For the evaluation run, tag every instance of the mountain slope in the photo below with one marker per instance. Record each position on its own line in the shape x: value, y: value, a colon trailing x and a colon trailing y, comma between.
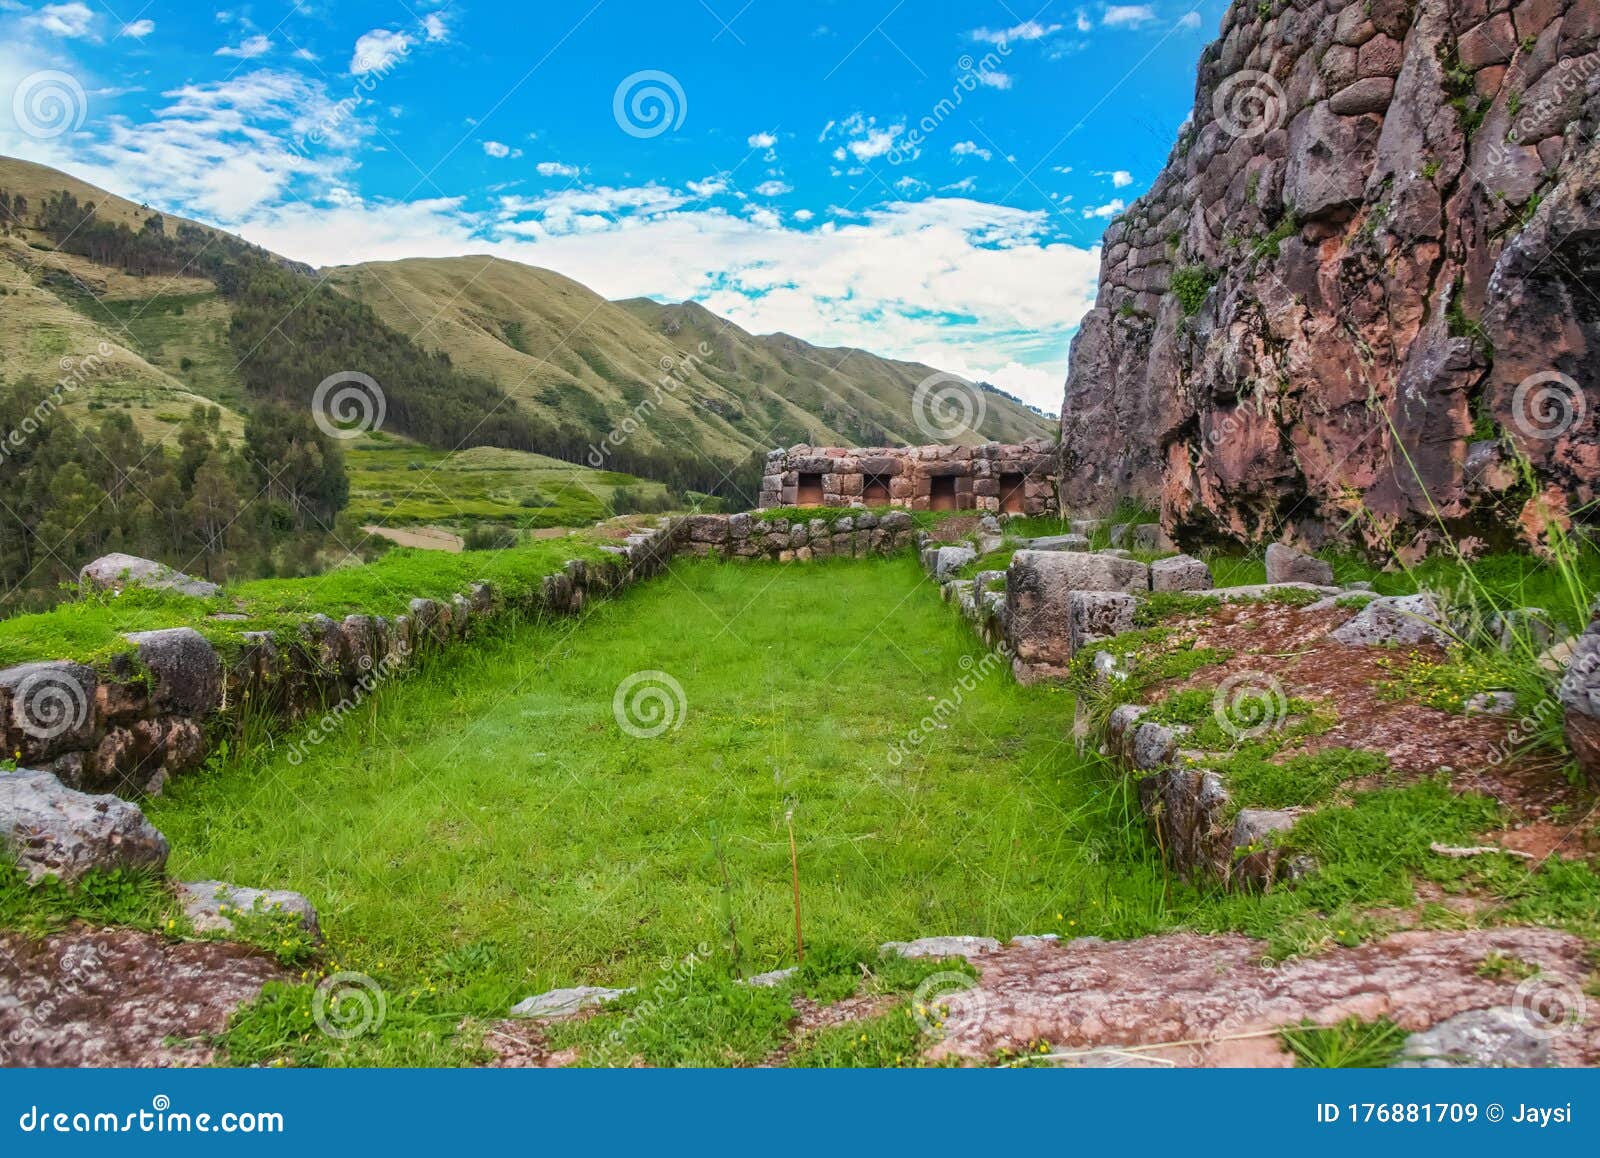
x: 469, y: 351
x: 559, y: 348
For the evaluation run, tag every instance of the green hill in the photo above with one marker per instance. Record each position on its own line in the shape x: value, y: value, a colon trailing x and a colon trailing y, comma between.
x: 470, y: 351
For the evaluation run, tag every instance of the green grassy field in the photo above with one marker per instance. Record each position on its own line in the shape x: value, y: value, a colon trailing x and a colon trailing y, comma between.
x: 399, y: 484
x: 487, y: 828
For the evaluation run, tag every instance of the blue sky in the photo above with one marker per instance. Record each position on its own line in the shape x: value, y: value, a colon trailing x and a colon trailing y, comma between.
x: 923, y: 179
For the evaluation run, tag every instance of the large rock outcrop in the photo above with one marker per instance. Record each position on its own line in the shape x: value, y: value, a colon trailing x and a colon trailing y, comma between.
x: 1366, y: 280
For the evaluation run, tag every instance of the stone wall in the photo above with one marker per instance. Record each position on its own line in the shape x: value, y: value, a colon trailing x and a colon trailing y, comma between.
x: 751, y: 536
x: 995, y: 477
x: 156, y: 710
x: 1364, y: 278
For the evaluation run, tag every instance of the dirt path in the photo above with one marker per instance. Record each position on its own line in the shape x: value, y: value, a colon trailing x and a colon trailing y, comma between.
x: 428, y: 538
x: 120, y: 997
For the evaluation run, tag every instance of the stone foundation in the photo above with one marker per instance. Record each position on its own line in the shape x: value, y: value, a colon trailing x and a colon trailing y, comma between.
x: 995, y: 477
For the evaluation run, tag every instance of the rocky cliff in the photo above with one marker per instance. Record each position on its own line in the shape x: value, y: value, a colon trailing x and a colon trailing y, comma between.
x: 1366, y: 286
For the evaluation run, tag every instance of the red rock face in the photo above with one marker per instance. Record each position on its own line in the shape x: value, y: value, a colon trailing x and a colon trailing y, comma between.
x: 1367, y: 281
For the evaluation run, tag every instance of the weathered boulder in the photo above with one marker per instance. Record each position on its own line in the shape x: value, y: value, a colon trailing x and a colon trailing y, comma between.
x: 1397, y: 217
x: 185, y: 671
x: 1395, y: 621
x: 1180, y: 573
x: 957, y: 946
x: 46, y: 708
x: 1039, y: 587
x: 1150, y: 537
x: 559, y: 1004
x: 212, y: 905
x: 1072, y: 542
x: 1479, y: 1038
x: 1286, y: 565
x: 52, y: 830
x: 116, y: 571
x: 944, y: 562
x: 1097, y: 615
x: 1580, y: 696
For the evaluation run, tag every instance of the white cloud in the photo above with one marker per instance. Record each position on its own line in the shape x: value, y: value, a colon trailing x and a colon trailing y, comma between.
x: 1082, y: 20
x: 556, y: 169
x: 965, y: 185
x: 710, y: 187
x: 994, y: 79
x: 762, y: 140
x: 435, y: 28
x: 1120, y: 178
x: 1008, y: 297
x: 1189, y: 20
x: 1061, y: 168
x: 72, y: 21
x: 500, y: 149
x: 866, y: 139
x: 377, y: 51
x: 138, y: 30
x: 1128, y: 15
x: 247, y: 49
x: 773, y: 189
x: 803, y: 215
x: 1027, y: 30
x: 1109, y: 209
x: 970, y: 149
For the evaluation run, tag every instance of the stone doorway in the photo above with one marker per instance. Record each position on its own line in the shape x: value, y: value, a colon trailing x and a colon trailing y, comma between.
x: 809, y: 491
x: 1013, y: 490
x: 875, y: 490
x: 942, y: 497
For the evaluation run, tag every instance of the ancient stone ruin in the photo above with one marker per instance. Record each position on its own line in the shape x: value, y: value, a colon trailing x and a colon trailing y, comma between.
x: 997, y: 477
x: 1363, y: 282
